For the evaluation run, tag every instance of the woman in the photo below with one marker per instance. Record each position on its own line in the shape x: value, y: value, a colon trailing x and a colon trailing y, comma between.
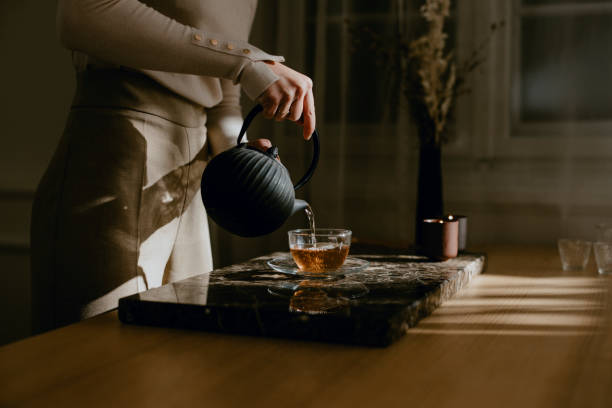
x: 158, y: 86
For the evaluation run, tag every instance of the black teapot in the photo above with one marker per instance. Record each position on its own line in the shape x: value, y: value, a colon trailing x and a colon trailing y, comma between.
x: 248, y: 192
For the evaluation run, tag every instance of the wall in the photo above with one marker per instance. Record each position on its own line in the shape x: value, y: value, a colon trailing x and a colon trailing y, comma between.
x: 523, y: 181
x: 514, y: 187
x: 37, y: 86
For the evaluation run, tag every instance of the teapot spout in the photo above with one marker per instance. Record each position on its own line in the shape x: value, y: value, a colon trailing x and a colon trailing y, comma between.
x: 299, y: 205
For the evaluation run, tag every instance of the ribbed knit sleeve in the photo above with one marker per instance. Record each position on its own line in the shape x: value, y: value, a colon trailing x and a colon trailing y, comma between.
x: 132, y: 34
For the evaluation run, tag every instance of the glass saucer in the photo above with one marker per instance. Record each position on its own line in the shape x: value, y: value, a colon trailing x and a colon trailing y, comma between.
x: 285, y: 264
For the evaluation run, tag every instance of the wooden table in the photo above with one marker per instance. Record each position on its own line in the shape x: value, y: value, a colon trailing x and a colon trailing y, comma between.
x: 524, y: 334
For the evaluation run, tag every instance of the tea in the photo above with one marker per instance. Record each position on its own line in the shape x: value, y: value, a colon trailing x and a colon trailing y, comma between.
x: 322, y: 257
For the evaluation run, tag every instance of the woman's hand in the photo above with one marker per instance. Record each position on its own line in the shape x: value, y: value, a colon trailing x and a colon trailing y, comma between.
x: 289, y: 98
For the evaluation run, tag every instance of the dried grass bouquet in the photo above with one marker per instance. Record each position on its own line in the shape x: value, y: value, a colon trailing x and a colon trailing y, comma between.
x: 428, y: 75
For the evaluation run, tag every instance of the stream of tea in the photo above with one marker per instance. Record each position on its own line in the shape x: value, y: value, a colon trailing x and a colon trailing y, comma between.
x: 311, y: 220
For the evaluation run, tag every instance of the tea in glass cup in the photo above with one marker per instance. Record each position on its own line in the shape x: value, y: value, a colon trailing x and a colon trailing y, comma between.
x: 321, y: 250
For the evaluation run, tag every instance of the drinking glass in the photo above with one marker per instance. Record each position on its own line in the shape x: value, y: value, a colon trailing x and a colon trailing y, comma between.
x: 574, y: 254
x: 321, y: 250
x: 603, y: 257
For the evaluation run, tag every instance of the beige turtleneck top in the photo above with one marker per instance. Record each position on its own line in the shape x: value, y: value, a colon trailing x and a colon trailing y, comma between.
x: 196, y: 48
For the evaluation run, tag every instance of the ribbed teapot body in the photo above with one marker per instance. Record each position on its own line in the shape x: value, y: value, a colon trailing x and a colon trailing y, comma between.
x: 247, y: 192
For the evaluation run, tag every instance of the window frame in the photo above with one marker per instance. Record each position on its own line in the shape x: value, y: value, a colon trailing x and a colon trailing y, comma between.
x: 489, y: 114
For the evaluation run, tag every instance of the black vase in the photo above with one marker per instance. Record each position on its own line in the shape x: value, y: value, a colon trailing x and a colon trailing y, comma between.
x: 429, y: 189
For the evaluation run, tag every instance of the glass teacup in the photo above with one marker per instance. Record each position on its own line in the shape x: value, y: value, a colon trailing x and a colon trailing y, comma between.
x: 319, y: 251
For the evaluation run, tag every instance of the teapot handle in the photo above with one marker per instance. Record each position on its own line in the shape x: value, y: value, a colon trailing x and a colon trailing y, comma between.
x: 315, y: 146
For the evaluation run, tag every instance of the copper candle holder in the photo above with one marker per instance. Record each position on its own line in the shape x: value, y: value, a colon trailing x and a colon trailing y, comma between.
x: 462, y: 229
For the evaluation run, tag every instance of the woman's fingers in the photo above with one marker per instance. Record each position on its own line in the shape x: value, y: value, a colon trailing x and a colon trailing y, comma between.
x: 290, y: 97
x: 283, y: 108
x: 297, y: 108
x: 310, y: 119
x: 269, y: 105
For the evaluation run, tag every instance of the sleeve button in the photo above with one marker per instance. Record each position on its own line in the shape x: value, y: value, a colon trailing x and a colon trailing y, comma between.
x: 230, y: 46
x: 246, y: 51
x: 213, y: 41
x: 197, y: 37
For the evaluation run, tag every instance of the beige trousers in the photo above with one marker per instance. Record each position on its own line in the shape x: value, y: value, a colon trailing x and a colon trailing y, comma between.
x: 119, y: 210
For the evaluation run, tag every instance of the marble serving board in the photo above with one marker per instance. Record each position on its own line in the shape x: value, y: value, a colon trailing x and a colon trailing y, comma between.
x: 373, y: 307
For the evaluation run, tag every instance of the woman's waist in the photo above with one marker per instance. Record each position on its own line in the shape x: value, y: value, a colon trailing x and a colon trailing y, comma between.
x: 126, y: 89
